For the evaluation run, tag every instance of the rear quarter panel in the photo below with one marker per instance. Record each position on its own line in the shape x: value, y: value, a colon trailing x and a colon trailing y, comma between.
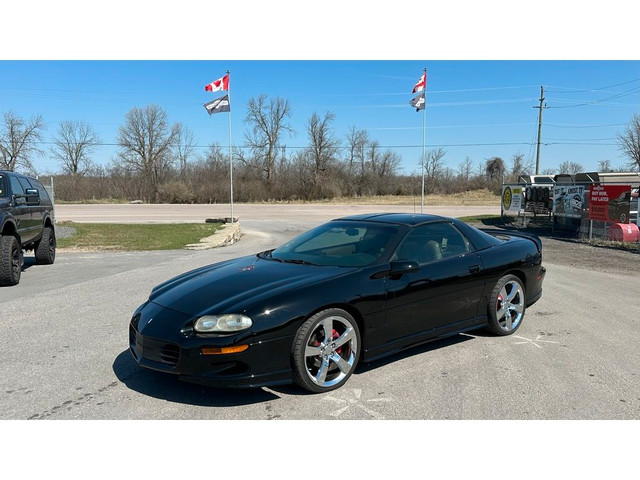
x: 517, y: 256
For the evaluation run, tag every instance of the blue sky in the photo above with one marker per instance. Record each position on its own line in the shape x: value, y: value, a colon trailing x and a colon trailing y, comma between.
x: 469, y: 103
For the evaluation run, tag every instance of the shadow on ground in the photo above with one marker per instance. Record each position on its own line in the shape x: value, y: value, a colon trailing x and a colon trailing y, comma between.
x: 28, y: 262
x: 418, y: 350
x: 167, y: 387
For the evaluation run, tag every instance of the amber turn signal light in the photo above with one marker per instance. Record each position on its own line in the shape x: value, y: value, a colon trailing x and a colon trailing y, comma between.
x: 223, y: 350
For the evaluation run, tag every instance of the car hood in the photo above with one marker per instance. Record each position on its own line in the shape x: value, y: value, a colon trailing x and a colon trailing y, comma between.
x: 222, y: 287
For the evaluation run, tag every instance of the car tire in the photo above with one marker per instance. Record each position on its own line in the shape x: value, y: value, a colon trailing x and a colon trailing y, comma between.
x: 10, y: 260
x: 45, y: 248
x: 507, y: 305
x: 321, y: 360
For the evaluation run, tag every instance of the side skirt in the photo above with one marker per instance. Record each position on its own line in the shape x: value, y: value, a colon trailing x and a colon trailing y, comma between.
x: 423, y: 337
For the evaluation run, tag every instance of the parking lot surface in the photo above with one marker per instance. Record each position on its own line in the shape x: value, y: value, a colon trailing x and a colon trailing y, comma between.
x: 65, y: 351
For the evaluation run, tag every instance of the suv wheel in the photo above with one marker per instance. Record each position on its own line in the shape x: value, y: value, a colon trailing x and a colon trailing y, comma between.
x: 46, y: 247
x: 10, y: 260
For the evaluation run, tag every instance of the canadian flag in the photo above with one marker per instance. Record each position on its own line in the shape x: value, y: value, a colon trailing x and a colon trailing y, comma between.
x: 418, y: 87
x: 220, y: 84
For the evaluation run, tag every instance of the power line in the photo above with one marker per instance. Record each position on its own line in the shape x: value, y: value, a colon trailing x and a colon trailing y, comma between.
x: 569, y: 125
x: 344, y: 147
x: 594, y: 102
x: 452, y: 126
x: 593, y: 89
x: 582, y: 139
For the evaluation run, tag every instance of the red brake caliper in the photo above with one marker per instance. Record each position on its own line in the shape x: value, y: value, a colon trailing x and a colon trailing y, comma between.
x: 334, y: 336
x: 499, y: 300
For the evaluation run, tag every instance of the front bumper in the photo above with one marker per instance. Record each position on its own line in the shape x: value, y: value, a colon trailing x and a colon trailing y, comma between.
x: 155, y: 342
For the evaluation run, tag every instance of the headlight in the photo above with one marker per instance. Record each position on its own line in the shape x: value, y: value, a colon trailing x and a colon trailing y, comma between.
x: 231, y: 322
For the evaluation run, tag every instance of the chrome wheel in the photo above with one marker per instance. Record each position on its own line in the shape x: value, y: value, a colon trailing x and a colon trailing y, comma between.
x: 331, y: 351
x: 510, y: 306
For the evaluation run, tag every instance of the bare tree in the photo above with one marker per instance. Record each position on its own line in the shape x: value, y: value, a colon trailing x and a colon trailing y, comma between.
x: 604, y: 166
x: 146, y: 142
x: 185, y: 144
x: 465, y: 168
x: 18, y: 141
x: 323, y: 146
x: 356, y: 143
x: 433, y: 166
x: 548, y: 171
x: 373, y: 155
x: 570, y: 167
x: 629, y: 141
x: 268, y: 122
x: 494, y: 168
x: 73, y: 146
x: 388, y: 164
x: 519, y: 167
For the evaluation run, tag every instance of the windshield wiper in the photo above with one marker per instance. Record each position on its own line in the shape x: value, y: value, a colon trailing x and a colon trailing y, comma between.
x: 298, y: 261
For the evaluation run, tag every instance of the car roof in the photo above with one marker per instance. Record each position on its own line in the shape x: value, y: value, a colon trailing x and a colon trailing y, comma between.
x: 409, y: 219
x: 7, y: 172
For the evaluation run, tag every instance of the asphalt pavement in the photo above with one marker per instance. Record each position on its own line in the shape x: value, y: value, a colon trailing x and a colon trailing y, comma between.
x: 65, y: 355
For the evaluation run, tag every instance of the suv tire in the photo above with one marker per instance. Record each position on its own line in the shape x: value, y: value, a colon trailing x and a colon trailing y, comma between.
x: 45, y: 248
x: 10, y: 260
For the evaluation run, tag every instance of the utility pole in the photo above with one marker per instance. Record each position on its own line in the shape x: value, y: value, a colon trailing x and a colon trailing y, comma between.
x: 541, y: 107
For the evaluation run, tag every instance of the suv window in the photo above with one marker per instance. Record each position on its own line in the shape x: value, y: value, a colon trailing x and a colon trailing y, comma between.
x: 3, y: 187
x: 16, y: 186
x: 41, y: 190
x: 432, y: 242
x: 25, y: 183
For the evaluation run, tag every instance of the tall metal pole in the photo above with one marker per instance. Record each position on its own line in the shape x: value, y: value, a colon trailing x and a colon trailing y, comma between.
x: 230, y: 149
x: 424, y: 138
x: 539, y: 128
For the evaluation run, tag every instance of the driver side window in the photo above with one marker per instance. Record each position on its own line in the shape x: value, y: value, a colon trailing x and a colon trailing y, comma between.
x: 432, y: 242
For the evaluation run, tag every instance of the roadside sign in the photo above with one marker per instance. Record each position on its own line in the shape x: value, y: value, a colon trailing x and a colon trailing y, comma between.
x: 610, y: 203
x: 511, y: 198
x: 568, y: 200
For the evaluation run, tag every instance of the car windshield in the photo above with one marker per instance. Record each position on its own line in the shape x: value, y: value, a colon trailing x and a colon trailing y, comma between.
x: 337, y: 244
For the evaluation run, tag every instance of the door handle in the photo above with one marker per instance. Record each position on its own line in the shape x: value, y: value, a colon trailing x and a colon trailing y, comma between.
x: 474, y: 268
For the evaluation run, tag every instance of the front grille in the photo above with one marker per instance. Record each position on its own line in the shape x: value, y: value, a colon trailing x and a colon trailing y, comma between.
x: 169, y: 354
x: 152, y: 349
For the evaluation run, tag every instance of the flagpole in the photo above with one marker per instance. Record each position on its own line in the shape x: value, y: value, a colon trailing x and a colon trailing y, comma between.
x: 424, y: 137
x: 230, y: 148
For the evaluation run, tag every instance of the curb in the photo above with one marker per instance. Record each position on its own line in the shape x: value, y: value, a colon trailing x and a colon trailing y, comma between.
x: 229, y: 234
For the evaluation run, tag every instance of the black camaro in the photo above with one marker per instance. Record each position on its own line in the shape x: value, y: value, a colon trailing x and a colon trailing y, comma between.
x: 359, y: 287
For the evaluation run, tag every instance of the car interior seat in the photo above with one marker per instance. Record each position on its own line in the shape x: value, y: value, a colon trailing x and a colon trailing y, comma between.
x: 431, y: 252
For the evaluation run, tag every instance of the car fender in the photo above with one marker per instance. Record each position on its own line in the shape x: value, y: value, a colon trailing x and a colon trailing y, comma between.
x: 7, y: 222
x: 285, y: 312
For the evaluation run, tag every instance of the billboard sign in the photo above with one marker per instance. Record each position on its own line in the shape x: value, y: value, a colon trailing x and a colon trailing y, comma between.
x: 568, y: 200
x: 610, y: 203
x: 511, y: 198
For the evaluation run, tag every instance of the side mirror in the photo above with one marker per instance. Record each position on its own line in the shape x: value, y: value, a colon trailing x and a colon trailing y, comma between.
x: 33, y: 196
x: 400, y: 267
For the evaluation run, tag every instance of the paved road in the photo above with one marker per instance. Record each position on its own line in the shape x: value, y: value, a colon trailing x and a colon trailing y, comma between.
x: 64, y: 352
x: 315, y: 213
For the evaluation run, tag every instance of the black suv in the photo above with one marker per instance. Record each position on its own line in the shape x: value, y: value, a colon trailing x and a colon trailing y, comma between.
x: 26, y: 222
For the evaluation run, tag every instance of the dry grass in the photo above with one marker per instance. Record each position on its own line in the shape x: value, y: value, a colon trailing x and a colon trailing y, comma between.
x: 474, y: 197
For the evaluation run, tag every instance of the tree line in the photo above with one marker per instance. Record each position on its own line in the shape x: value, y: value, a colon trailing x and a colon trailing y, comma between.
x: 157, y: 161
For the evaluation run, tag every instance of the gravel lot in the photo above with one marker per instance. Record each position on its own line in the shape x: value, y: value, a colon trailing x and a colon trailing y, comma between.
x: 65, y: 348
